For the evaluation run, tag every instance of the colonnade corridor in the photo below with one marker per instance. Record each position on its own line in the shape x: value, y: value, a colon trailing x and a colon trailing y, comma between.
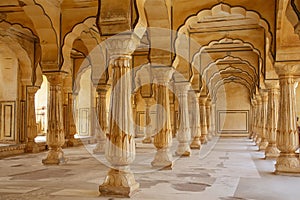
x: 226, y: 168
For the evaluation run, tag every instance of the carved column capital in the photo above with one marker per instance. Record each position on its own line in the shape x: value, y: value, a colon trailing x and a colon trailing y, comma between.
x: 182, y: 87
x: 272, y: 84
x: 56, y: 78
x: 122, y: 44
x: 287, y: 68
x: 162, y: 74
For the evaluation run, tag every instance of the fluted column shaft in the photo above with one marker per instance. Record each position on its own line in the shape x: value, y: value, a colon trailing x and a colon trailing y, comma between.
x: 183, y: 135
x: 31, y: 146
x: 55, y: 132
x: 287, y: 135
x: 195, y: 122
x: 203, y: 118
x: 264, y: 142
x: 273, y: 100
x: 102, y: 119
x: 163, y: 138
x: 148, y: 129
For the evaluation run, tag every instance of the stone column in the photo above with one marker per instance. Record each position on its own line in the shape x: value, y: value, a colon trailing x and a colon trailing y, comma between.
x: 31, y: 146
x: 253, y: 118
x: 213, y: 119
x: 258, y: 120
x: 208, y: 118
x: 203, y: 118
x: 163, y: 137
x: 71, y: 141
x: 120, y: 146
x: 183, y: 135
x: 264, y: 112
x: 148, y: 128
x: 287, y: 135
x: 55, y: 132
x: 273, y: 100
x: 195, y: 122
x: 101, y: 119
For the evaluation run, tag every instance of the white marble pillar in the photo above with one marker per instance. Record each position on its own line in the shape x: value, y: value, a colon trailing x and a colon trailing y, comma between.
x: 183, y: 134
x: 101, y: 119
x: 273, y: 101
x: 55, y: 132
x: 148, y: 129
x: 31, y: 146
x: 203, y: 118
x: 120, y: 146
x: 264, y: 112
x: 163, y: 137
x: 208, y: 118
x: 287, y: 135
x: 195, y: 121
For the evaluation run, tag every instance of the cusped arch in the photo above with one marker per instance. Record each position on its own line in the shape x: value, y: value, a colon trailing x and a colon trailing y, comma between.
x: 217, y: 10
x: 69, y: 39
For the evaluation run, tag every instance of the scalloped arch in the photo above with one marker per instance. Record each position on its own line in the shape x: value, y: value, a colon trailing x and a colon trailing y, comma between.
x: 71, y: 37
x: 224, y: 8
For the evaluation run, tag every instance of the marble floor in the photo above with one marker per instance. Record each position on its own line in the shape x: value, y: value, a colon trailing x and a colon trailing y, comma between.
x: 225, y: 169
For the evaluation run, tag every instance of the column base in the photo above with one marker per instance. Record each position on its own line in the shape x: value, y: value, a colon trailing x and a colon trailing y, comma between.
x: 32, y: 147
x: 55, y: 157
x: 100, y: 147
x: 183, y: 149
x: 203, y: 139
x: 263, y: 145
x: 119, y: 183
x: 258, y: 141
x: 287, y: 164
x: 72, y: 142
x: 147, y: 140
x: 195, y: 144
x: 209, y: 137
x: 272, y: 152
x: 162, y: 160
